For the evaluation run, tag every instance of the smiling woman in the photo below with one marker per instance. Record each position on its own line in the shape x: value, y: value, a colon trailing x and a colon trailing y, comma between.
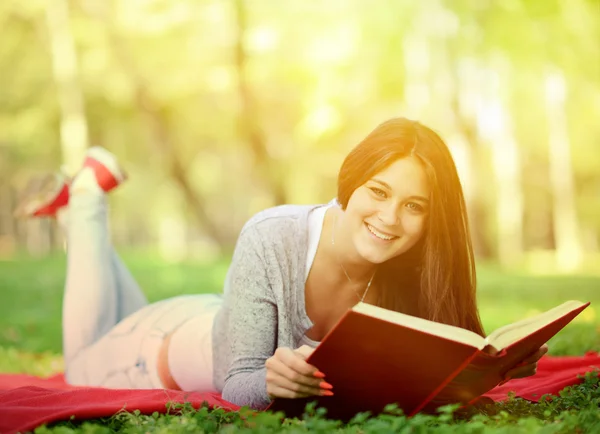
x: 416, y: 195
x: 396, y: 236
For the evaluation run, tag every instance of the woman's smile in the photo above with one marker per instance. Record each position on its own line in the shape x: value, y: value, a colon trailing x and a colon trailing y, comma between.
x: 379, y: 235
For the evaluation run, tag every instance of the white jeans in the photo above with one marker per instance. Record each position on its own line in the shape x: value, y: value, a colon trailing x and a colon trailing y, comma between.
x: 111, y: 335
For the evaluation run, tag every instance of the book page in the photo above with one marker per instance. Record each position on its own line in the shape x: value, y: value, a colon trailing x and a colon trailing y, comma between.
x: 509, y: 334
x: 449, y: 332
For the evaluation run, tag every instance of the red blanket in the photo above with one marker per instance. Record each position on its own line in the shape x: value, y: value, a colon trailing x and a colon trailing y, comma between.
x: 27, y: 402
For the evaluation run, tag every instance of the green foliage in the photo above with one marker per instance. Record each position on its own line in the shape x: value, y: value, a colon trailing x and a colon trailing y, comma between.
x: 14, y: 360
x: 574, y: 411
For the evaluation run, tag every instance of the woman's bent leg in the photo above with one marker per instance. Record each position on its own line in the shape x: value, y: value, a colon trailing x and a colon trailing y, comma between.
x: 100, y: 347
x: 130, y: 297
x: 90, y: 306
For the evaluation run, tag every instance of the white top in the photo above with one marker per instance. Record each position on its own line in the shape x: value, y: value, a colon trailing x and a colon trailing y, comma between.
x: 316, y: 218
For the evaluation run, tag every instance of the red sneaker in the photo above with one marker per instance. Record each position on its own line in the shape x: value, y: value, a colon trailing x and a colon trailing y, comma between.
x: 106, y: 168
x: 44, y: 196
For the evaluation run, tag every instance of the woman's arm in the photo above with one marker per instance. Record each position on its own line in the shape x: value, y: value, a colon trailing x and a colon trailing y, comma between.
x: 248, y: 327
x: 245, y: 334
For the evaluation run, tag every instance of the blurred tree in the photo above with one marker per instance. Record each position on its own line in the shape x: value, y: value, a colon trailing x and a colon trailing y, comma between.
x: 73, y: 122
x: 219, y: 109
x: 249, y: 121
x: 496, y: 129
x: 566, y: 225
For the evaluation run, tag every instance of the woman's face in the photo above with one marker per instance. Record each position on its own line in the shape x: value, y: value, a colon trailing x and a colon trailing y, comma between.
x: 386, y: 216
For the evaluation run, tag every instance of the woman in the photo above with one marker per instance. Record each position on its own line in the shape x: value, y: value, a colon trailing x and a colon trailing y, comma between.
x: 397, y: 236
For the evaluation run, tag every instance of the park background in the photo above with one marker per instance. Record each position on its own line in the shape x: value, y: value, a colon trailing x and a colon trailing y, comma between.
x: 218, y: 109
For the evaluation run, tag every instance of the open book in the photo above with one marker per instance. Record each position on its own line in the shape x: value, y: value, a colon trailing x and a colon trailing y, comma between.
x: 374, y: 357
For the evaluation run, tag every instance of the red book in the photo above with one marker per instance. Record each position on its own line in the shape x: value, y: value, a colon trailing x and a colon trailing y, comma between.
x: 374, y: 357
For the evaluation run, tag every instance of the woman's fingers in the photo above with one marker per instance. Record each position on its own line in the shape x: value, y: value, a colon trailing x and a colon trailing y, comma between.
x: 304, y: 351
x: 289, y: 376
x: 294, y: 389
x: 294, y: 361
x: 521, y: 371
x: 533, y: 358
x: 293, y: 371
x: 275, y: 391
x: 528, y: 366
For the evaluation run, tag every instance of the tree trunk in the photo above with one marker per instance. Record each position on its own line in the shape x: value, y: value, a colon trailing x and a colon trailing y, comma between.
x: 497, y: 129
x: 509, y: 198
x: 566, y: 226
x: 73, y: 124
x: 477, y: 211
x: 8, y: 235
x: 249, y: 124
x: 466, y: 126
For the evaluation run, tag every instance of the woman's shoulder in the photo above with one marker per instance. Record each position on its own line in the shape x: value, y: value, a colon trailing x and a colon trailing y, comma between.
x: 281, y: 218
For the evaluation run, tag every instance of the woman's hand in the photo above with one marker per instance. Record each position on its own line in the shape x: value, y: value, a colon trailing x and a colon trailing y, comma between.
x: 528, y: 366
x: 289, y: 376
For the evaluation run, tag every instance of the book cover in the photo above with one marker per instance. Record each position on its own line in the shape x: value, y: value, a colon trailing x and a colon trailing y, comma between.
x: 372, y: 362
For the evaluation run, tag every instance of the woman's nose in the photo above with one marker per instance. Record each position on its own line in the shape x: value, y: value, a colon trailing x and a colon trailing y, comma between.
x: 388, y: 215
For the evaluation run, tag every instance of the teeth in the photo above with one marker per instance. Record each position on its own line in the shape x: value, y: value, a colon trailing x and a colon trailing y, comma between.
x: 379, y: 234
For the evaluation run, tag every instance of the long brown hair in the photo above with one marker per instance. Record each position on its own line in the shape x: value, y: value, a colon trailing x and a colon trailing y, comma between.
x: 435, y: 279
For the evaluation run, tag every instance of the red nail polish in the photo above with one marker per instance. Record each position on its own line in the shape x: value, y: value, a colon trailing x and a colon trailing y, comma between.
x: 326, y: 393
x: 325, y: 385
x: 319, y: 374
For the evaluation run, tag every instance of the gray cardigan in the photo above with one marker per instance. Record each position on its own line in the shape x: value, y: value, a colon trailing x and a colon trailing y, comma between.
x: 263, y: 306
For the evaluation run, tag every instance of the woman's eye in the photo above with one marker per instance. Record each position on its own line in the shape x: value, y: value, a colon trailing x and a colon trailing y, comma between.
x: 414, y: 206
x: 379, y: 192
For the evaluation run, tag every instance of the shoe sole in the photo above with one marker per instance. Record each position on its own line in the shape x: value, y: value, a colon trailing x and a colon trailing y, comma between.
x: 109, y: 173
x: 45, y: 198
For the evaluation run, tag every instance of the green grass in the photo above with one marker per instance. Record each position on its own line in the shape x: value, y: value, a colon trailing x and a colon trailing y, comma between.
x: 31, y: 294
x: 30, y: 342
